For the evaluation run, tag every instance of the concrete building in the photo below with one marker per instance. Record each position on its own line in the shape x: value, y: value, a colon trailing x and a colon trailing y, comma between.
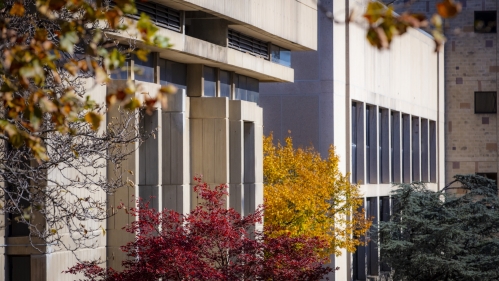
x: 471, y: 68
x: 212, y: 126
x: 382, y: 110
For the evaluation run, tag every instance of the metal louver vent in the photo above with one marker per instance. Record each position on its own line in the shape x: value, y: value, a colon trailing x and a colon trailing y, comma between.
x: 160, y: 15
x: 248, y: 44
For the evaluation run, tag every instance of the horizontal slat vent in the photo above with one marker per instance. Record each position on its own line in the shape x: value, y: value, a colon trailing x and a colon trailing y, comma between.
x: 160, y: 15
x: 248, y: 44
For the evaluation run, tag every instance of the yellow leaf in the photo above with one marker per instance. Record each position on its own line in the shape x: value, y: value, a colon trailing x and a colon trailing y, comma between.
x: 17, y: 9
x: 93, y: 119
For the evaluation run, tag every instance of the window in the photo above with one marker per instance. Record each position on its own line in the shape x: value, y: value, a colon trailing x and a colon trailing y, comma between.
x: 247, y: 88
x: 160, y: 15
x: 121, y: 74
x: 384, y: 215
x: 359, y: 259
x: 380, y: 142
x: 354, y: 142
x: 485, y: 22
x: 248, y: 44
x: 368, y: 144
x: 372, y: 247
x: 210, y: 81
x: 485, y: 102
x: 171, y: 72
x: 416, y: 151
x: 144, y: 70
x: 392, y: 138
x: 433, y: 151
x: 280, y: 55
x: 19, y: 268
x: 406, y: 148
x: 425, y: 176
x: 224, y: 84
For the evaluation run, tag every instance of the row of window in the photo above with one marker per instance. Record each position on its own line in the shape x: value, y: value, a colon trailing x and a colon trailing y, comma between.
x: 171, y: 19
x: 170, y: 72
x: 389, y: 146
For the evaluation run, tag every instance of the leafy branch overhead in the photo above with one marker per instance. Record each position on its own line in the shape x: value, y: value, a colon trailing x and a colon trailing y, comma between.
x: 383, y: 24
x: 52, y: 52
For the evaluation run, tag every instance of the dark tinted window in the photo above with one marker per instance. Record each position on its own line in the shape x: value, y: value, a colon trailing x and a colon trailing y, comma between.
x: 247, y: 88
x: 210, y: 81
x: 485, y: 102
x: 172, y: 73
x: 354, y: 142
x: 144, y: 70
x: 19, y: 268
x: 485, y: 22
x: 224, y: 84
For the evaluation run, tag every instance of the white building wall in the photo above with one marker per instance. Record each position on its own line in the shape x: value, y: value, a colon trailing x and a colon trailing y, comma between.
x: 316, y: 108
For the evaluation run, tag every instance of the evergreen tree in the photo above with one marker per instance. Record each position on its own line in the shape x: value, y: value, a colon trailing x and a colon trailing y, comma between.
x: 452, y: 234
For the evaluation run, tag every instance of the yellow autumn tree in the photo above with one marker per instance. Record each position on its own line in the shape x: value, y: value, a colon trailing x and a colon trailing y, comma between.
x: 307, y: 195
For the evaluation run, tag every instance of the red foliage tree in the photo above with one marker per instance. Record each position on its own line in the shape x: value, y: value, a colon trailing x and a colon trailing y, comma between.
x: 209, y: 243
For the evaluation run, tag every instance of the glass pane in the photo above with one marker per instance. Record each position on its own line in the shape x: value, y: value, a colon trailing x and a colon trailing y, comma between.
x: 274, y: 53
x: 253, y: 89
x: 210, y: 85
x: 285, y: 57
x: 280, y: 55
x: 224, y: 84
x: 19, y: 268
x: 121, y: 74
x: 171, y: 72
x: 241, y: 88
x: 144, y: 70
x: 178, y: 74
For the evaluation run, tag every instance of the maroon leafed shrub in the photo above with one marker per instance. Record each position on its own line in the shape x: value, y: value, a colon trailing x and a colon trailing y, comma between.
x: 209, y: 243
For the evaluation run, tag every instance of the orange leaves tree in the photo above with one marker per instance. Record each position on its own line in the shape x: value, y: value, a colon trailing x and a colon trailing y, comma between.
x: 54, y: 153
x: 307, y: 195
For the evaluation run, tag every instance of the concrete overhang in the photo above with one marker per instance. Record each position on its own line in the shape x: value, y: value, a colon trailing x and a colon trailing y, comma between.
x: 190, y: 50
x: 291, y: 24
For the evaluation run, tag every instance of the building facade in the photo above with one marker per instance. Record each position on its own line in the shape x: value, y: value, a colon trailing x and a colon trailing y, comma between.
x: 382, y: 110
x: 471, y: 69
x: 222, y: 51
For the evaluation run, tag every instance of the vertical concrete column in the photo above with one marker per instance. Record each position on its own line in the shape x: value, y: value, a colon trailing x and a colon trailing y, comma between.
x: 397, y: 147
x: 150, y: 153
x: 416, y: 149
x: 236, y: 180
x: 176, y: 176
x: 129, y: 171
x: 246, y: 156
x: 209, y: 141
